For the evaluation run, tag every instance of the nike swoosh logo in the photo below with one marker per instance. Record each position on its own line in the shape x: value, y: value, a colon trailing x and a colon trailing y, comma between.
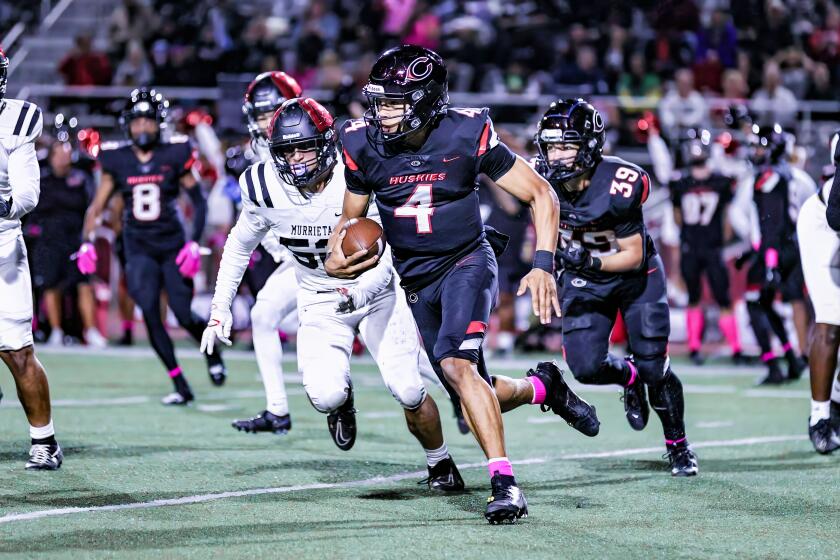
x: 447, y: 160
x: 339, y: 435
x: 337, y: 214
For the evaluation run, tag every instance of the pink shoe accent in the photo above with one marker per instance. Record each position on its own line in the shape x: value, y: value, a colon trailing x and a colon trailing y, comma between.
x: 634, y: 373
x: 729, y: 328
x: 771, y: 258
x: 674, y: 441
x: 175, y: 372
x: 539, y: 389
x: 767, y: 356
x: 500, y: 466
x: 787, y: 347
x: 694, y: 325
x: 127, y: 325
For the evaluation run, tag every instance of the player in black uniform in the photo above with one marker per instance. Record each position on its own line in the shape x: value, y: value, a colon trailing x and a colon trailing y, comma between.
x: 149, y: 174
x: 610, y: 265
x: 421, y: 158
x: 701, y: 198
x: 775, y: 266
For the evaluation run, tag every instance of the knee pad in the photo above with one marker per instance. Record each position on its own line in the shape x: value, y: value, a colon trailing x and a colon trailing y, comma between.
x: 410, y: 396
x: 653, y: 369
x: 585, y: 366
x: 263, y: 317
x: 326, y: 400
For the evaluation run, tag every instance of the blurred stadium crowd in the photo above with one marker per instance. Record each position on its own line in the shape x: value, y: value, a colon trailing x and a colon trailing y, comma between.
x: 673, y: 66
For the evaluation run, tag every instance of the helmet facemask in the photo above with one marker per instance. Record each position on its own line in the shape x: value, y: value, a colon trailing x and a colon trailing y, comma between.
x: 307, y: 172
x: 420, y: 109
x: 562, y: 171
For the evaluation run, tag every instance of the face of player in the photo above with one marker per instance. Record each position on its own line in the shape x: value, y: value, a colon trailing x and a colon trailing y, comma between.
x: 264, y: 121
x: 391, y: 113
x: 562, y: 154
x: 142, y: 129
x: 61, y: 158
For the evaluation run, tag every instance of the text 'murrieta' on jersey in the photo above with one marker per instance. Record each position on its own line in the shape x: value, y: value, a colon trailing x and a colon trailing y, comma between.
x: 151, y: 191
x: 702, y: 204
x: 608, y: 210
x: 21, y: 123
x: 427, y: 199
x: 301, y: 223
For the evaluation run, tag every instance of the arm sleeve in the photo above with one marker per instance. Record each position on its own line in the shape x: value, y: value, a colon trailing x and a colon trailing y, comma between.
x: 832, y: 210
x: 24, y: 173
x: 277, y: 251
x: 246, y: 234
x: 199, y: 203
x: 663, y: 165
x: 375, y: 280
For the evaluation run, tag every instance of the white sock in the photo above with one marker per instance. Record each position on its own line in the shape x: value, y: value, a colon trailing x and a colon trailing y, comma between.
x: 41, y: 432
x: 820, y: 410
x: 835, y: 390
x: 505, y: 340
x: 269, y: 353
x: 435, y: 456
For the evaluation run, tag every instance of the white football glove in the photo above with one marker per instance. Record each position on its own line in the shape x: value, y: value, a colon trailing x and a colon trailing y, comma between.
x: 351, y: 299
x: 218, y: 327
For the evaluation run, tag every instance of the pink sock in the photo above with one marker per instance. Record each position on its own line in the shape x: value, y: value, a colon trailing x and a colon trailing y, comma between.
x: 633, y: 374
x: 787, y: 347
x: 175, y: 372
x: 674, y: 441
x: 767, y: 356
x: 729, y: 328
x: 127, y: 325
x: 539, y: 389
x: 499, y: 465
x: 694, y: 326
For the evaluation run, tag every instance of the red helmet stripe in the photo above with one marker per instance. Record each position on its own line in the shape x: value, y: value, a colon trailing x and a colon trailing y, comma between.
x: 321, y: 118
x: 287, y: 85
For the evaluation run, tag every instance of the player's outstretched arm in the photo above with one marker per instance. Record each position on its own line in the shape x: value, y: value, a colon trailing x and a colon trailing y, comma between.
x: 97, y: 206
x: 338, y: 264
x: 528, y: 186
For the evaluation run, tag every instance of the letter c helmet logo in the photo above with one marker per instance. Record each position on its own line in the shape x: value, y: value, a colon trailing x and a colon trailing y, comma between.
x: 416, y: 71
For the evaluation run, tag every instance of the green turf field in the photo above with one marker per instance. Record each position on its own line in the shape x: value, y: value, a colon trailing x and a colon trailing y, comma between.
x: 141, y: 480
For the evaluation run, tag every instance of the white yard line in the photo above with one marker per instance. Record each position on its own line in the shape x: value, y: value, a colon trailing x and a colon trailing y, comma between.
x: 201, y: 498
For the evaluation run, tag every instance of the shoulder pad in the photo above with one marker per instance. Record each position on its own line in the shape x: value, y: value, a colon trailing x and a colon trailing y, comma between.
x: 21, y: 120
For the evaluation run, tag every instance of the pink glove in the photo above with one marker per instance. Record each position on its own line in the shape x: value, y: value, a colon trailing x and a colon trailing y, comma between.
x: 771, y: 258
x: 86, y: 258
x: 189, y: 259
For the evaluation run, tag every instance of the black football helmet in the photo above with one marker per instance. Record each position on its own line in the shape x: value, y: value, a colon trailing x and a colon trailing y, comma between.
x: 148, y: 103
x: 570, y: 121
x: 696, y: 146
x: 303, y: 124
x: 265, y: 94
x: 768, y: 144
x: 4, y: 73
x: 738, y: 115
x: 415, y: 76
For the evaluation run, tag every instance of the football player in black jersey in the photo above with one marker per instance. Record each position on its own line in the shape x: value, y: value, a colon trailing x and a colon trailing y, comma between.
x: 701, y: 198
x: 421, y: 159
x: 149, y: 174
x: 609, y: 265
x: 777, y: 194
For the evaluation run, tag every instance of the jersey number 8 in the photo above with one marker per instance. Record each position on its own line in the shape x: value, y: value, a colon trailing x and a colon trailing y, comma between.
x: 145, y: 202
x: 623, y: 182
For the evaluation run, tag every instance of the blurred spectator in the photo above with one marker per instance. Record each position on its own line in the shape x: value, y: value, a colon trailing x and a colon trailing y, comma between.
x: 638, y: 82
x: 733, y: 85
x: 584, y: 74
x: 720, y: 38
x: 135, y: 69
x: 796, y: 70
x: 131, y: 21
x: 821, y: 87
x: 774, y: 102
x: 83, y: 66
x: 423, y: 27
x: 683, y: 107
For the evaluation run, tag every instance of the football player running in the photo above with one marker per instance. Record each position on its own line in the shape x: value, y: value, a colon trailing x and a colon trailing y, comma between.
x: 421, y: 160
x: 819, y: 244
x: 149, y: 174
x: 21, y: 123
x: 296, y: 200
x: 610, y: 264
x: 277, y: 299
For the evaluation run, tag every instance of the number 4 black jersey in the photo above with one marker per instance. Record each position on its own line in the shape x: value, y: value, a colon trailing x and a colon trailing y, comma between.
x: 609, y: 209
x: 150, y: 191
x: 702, y: 205
x: 427, y: 199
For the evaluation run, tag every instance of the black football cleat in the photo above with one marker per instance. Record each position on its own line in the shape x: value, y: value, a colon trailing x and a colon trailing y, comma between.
x: 696, y: 358
x: 774, y: 375
x: 444, y: 477
x: 127, y: 338
x: 682, y: 460
x: 796, y: 367
x: 561, y: 400
x: 216, y: 369
x: 45, y: 457
x: 265, y: 421
x: 463, y: 427
x: 738, y: 359
x: 507, y: 503
x: 342, y: 424
x: 835, y: 415
x: 636, y: 408
x: 824, y: 436
x: 177, y: 399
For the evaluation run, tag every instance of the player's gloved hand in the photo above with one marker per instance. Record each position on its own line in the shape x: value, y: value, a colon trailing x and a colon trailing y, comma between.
x: 189, y: 259
x: 773, y: 278
x: 577, y: 259
x: 218, y: 328
x: 86, y: 258
x: 352, y: 298
x: 5, y: 207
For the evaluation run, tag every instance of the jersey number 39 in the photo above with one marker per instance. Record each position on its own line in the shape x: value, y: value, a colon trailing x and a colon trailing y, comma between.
x: 623, y: 182
x: 419, y: 207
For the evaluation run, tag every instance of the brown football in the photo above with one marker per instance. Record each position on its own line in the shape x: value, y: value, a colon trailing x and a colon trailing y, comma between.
x: 363, y: 234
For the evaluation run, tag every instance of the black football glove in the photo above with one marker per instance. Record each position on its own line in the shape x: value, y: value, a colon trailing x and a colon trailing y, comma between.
x: 5, y: 207
x: 576, y: 259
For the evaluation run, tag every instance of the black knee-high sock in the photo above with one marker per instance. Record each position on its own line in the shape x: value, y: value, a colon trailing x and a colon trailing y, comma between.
x: 775, y: 321
x: 760, y: 325
x: 195, y: 326
x: 666, y: 398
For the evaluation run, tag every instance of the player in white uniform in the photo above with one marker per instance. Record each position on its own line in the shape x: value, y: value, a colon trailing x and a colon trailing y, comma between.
x: 297, y: 200
x: 819, y: 249
x: 20, y: 179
